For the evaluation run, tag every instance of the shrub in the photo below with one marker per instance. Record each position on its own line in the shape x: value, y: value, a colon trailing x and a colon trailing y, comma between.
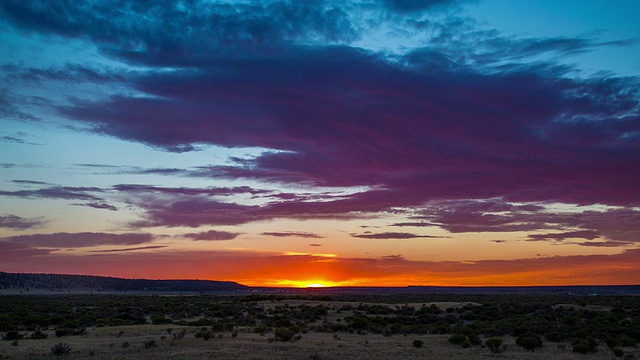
x: 38, y: 335
x: 474, y: 339
x: 60, y: 332
x: 12, y: 335
x: 581, y: 348
x: 260, y: 329
x: 457, y: 339
x: 554, y: 336
x: 205, y: 334
x: 529, y: 341
x: 283, y: 334
x: 585, y: 345
x: 495, y: 344
x: 149, y: 344
x: 60, y: 349
x: 617, y: 351
x: 179, y: 334
x: 417, y: 343
x: 627, y: 341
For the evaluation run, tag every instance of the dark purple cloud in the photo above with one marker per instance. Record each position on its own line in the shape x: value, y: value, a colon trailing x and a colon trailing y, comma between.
x: 582, y: 234
x: 11, y: 252
x: 56, y: 192
x: 30, y: 182
x: 220, y: 191
x: 620, y: 225
x: 465, y: 134
x: 13, y: 139
x: 19, y: 223
x: 293, y: 234
x: 70, y: 73
x: 471, y: 115
x: 130, y: 249
x: 315, y: 245
x: 99, y: 205
x: 212, y: 235
x: 393, y: 235
x: 74, y: 240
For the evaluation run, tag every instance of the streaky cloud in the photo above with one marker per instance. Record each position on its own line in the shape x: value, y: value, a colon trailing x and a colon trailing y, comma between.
x: 212, y: 235
x: 79, y: 240
x: 19, y: 223
x: 292, y: 234
x: 393, y: 235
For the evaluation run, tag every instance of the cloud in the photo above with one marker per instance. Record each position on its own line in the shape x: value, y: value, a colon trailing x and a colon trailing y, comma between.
x: 19, y: 223
x: 212, y: 235
x: 393, y: 235
x: 213, y: 191
x: 582, y: 234
x: 404, y: 6
x: 30, y: 182
x: 614, y: 225
x: 99, y: 205
x: 469, y: 114
x: 293, y: 234
x: 75, y: 240
x: 69, y: 73
x: 418, y: 119
x: 15, y: 252
x: 315, y: 245
x: 130, y: 249
x: 56, y: 192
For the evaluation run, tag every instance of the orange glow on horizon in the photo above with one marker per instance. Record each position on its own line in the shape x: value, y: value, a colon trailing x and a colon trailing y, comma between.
x: 303, y: 284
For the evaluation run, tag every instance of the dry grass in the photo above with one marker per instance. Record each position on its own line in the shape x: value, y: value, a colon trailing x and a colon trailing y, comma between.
x: 106, y: 343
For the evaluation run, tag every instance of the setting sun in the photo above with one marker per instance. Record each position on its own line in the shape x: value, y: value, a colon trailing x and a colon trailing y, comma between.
x: 315, y: 285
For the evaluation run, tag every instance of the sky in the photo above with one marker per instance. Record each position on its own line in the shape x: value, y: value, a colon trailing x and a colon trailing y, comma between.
x: 329, y: 143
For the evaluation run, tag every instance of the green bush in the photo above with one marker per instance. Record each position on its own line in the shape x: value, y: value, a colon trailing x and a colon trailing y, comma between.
x: 529, y: 341
x: 60, y: 349
x: 581, y: 348
x: 617, y: 351
x: 554, y: 336
x: 474, y: 339
x: 457, y: 339
x: 495, y: 344
x: 12, y: 335
x: 584, y: 345
x: 284, y: 334
x: 60, y: 332
x: 38, y: 335
x: 417, y: 343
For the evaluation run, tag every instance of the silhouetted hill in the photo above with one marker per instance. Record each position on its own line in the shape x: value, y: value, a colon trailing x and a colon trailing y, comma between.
x: 102, y: 283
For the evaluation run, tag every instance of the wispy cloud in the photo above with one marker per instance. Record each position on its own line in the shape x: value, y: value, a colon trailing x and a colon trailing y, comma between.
x: 56, y: 192
x: 130, y: 249
x: 292, y: 234
x: 75, y: 240
x: 212, y: 235
x: 393, y: 235
x: 19, y: 223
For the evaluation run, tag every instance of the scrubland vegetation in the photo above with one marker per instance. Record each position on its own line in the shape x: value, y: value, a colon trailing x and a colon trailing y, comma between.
x: 320, y: 327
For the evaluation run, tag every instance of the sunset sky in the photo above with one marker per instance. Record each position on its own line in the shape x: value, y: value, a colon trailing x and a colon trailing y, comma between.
x: 289, y: 143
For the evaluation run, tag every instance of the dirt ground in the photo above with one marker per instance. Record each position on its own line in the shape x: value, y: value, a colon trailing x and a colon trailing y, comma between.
x: 107, y: 343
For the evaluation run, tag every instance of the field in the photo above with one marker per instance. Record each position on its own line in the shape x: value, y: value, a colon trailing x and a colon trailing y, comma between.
x: 317, y: 327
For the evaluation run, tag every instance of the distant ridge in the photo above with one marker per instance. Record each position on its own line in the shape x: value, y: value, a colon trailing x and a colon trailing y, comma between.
x: 56, y: 282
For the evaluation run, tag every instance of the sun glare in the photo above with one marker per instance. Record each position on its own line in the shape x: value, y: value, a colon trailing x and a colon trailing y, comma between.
x: 315, y: 285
